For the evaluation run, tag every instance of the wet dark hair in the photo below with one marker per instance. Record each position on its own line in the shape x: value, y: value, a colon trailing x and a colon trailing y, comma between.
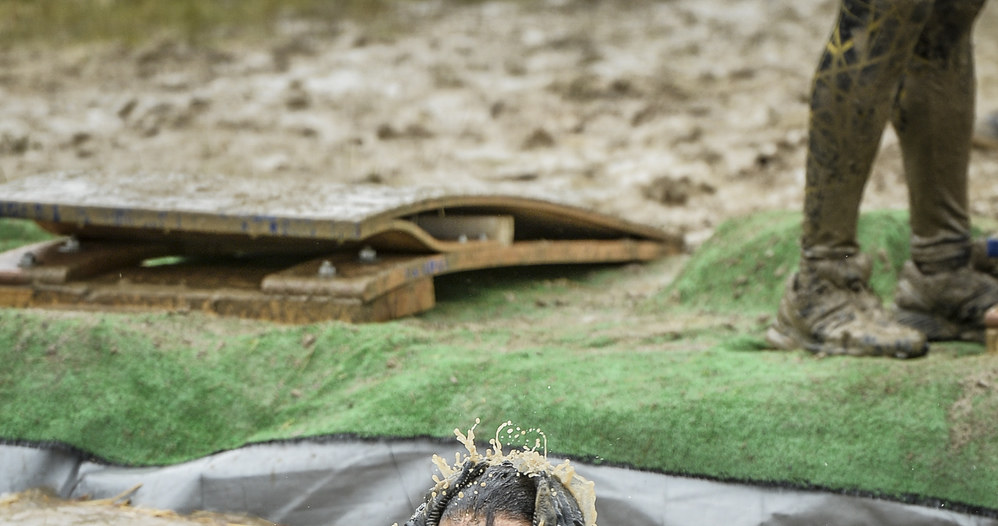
x: 499, y: 491
x: 485, y: 491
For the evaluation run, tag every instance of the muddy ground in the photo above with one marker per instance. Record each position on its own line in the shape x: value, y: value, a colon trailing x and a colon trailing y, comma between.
x: 42, y: 507
x: 679, y: 114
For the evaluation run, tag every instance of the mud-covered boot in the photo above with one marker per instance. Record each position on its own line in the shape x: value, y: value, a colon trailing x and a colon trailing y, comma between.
x: 829, y: 308
x: 947, y: 304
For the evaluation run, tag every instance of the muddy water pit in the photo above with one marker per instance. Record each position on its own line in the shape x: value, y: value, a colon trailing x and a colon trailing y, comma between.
x: 40, y: 507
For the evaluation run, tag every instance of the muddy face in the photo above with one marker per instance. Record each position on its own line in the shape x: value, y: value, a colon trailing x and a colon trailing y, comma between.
x: 501, y: 520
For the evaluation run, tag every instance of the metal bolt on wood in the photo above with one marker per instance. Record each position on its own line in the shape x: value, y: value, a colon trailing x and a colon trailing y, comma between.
x: 368, y: 255
x: 327, y: 269
x: 28, y: 260
x: 71, y: 246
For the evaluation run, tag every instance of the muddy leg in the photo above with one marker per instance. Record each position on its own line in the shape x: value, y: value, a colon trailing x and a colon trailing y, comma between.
x: 851, y: 101
x: 934, y: 119
x: 828, y: 306
x: 940, y: 293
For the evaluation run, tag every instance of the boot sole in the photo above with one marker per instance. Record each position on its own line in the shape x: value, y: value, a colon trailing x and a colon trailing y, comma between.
x: 790, y: 340
x: 936, y: 328
x: 783, y: 338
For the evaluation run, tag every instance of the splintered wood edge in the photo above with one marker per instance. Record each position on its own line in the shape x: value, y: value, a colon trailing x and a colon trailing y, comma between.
x: 378, y: 290
x: 464, y: 228
x: 54, y: 262
x: 411, y: 298
x: 368, y: 280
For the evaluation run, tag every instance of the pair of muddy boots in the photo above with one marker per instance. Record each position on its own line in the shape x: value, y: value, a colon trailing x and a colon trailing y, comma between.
x: 829, y: 308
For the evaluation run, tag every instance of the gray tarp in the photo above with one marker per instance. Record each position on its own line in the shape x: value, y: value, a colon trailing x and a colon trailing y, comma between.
x: 372, y: 483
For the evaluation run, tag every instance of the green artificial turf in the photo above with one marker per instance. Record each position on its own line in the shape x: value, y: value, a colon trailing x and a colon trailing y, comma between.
x: 15, y: 233
x: 742, y: 268
x: 701, y: 398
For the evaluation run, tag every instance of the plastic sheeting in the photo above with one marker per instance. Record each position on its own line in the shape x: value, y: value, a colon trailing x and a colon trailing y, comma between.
x: 355, y: 482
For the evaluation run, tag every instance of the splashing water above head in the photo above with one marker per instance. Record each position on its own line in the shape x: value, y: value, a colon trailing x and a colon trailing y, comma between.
x: 455, y: 479
x: 540, y: 442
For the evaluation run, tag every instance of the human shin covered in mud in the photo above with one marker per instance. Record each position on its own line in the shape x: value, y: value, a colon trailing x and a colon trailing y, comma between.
x: 908, y: 62
x: 519, y: 488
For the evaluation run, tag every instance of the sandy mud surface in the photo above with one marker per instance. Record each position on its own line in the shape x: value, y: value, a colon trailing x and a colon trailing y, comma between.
x: 677, y: 114
x: 41, y: 507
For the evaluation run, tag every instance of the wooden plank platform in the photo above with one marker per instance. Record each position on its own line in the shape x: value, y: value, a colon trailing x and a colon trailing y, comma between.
x: 290, y: 251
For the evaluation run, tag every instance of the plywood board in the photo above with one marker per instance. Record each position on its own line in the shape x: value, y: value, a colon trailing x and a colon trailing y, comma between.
x: 351, y: 253
x: 142, y: 205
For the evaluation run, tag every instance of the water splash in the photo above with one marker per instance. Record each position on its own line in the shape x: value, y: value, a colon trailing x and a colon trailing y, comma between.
x: 529, y: 460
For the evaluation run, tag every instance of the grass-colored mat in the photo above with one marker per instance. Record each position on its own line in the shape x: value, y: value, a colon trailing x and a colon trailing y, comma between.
x: 676, y: 381
x: 18, y: 233
x: 745, y: 264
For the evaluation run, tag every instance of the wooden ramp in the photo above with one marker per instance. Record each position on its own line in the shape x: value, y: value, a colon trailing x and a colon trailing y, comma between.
x: 290, y: 251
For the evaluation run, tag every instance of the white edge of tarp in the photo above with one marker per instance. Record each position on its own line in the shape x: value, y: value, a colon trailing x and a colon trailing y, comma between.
x: 380, y: 482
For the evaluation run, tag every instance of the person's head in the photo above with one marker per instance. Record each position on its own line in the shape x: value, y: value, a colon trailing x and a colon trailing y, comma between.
x: 499, y: 495
x: 521, y: 488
